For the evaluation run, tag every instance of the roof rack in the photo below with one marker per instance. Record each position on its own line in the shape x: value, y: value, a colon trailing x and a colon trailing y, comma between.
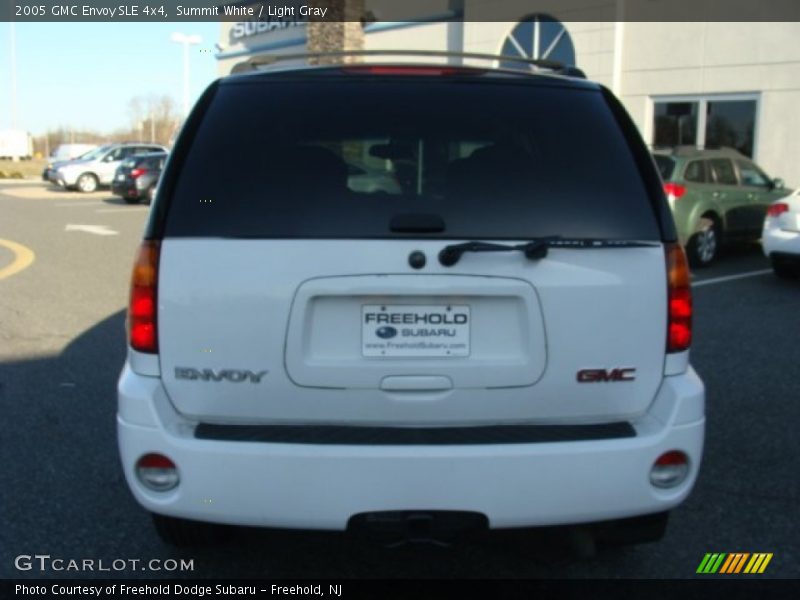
x: 266, y: 60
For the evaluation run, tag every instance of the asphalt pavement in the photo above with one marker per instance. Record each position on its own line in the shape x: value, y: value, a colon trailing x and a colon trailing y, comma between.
x: 62, y: 345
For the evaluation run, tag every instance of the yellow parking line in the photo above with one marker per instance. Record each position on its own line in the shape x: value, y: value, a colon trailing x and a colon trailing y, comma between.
x: 23, y: 257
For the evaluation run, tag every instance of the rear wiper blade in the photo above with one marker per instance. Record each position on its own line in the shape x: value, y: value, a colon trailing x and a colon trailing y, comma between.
x: 535, y: 249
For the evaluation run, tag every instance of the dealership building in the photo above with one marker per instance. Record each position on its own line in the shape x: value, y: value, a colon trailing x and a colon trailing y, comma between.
x: 705, y: 83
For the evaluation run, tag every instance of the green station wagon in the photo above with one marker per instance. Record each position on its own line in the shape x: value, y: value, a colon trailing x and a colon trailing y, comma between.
x: 716, y: 196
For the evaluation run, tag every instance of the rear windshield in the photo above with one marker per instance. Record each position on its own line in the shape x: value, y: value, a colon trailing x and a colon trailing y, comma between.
x: 665, y: 165
x: 342, y: 159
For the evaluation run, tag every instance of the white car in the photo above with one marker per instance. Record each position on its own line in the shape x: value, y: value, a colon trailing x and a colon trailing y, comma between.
x: 499, y: 340
x: 781, y: 236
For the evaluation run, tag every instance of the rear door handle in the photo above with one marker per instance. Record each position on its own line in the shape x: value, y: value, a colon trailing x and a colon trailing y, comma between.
x: 416, y: 383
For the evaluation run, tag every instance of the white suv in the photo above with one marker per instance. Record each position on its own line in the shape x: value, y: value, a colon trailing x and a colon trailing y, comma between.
x: 496, y: 333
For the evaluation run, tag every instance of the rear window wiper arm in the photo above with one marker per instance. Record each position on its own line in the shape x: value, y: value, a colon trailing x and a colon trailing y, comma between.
x: 535, y: 249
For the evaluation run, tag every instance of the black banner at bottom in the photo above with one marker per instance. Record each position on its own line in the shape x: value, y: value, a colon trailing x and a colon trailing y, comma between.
x: 585, y: 589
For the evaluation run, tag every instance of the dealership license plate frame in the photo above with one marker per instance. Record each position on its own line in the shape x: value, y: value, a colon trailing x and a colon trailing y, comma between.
x: 424, y: 344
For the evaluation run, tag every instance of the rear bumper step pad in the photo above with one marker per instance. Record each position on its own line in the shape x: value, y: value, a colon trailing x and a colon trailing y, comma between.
x: 405, y: 436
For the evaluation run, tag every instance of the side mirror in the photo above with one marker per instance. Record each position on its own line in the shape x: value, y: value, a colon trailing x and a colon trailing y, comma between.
x: 777, y: 184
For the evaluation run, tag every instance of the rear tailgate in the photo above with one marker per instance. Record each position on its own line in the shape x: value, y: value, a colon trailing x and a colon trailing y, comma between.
x: 527, y: 333
x: 287, y: 293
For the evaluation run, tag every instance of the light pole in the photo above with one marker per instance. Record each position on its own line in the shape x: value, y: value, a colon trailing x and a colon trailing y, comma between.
x: 13, y: 75
x: 186, y: 40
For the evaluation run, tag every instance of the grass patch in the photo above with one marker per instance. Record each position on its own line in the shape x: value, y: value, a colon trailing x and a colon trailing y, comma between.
x: 28, y: 169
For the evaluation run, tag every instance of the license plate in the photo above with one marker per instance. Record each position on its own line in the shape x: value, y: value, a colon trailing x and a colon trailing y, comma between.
x: 120, y: 177
x: 414, y: 330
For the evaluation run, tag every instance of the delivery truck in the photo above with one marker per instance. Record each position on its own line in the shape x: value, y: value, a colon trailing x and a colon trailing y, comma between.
x: 16, y: 144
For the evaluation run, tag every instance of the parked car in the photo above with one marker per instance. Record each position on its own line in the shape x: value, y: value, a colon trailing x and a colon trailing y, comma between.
x: 63, y: 155
x: 506, y: 348
x: 137, y: 177
x: 716, y: 196
x: 90, y: 172
x: 781, y: 236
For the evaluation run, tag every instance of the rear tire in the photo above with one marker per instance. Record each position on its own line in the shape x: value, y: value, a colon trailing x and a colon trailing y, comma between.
x: 129, y: 200
x: 635, y: 530
x: 703, y: 246
x: 184, y: 533
x: 784, y: 269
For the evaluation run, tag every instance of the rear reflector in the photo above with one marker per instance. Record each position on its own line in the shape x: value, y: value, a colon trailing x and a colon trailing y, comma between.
x: 142, y: 310
x: 776, y: 210
x: 156, y: 472
x: 679, y: 303
x: 670, y: 469
x: 675, y: 190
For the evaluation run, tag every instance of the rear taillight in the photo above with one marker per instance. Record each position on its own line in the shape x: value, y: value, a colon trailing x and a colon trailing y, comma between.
x: 776, y: 210
x: 142, y: 330
x: 136, y: 173
x: 404, y: 70
x: 679, y: 317
x: 675, y: 190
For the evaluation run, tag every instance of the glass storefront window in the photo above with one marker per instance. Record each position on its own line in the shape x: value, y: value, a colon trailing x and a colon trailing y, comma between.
x: 731, y: 123
x: 675, y: 124
x: 706, y: 122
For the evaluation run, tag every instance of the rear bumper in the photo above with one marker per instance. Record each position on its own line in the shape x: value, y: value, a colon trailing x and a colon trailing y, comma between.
x: 781, y: 243
x: 124, y: 189
x: 313, y: 486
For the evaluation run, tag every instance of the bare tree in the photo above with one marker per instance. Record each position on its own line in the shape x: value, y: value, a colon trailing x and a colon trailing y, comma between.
x: 153, y: 118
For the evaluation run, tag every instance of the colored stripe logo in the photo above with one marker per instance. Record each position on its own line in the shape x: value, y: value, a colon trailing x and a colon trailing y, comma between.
x: 734, y: 563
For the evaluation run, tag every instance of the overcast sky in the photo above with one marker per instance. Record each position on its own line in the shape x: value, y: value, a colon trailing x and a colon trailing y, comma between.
x: 82, y: 75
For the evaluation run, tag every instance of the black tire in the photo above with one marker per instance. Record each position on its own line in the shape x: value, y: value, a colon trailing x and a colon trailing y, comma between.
x: 134, y: 200
x: 635, y: 530
x: 703, y: 247
x: 784, y: 269
x: 87, y: 183
x: 184, y: 533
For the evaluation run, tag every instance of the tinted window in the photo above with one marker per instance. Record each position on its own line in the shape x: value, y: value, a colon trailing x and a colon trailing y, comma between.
x: 131, y: 151
x: 751, y: 174
x: 695, y: 171
x: 114, y: 155
x: 731, y: 123
x: 665, y: 166
x: 492, y: 160
x: 722, y: 168
x: 675, y: 123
